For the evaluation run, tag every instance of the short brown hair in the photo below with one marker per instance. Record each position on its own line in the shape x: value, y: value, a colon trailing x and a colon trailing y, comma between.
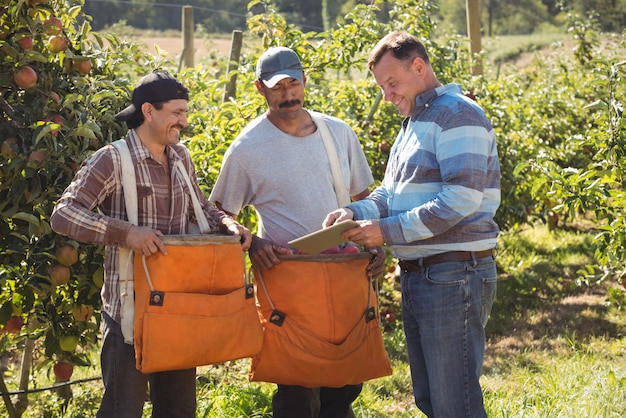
x: 402, y: 45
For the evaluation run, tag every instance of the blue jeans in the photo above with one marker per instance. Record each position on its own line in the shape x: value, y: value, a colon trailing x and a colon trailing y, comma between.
x: 173, y: 394
x: 445, y: 308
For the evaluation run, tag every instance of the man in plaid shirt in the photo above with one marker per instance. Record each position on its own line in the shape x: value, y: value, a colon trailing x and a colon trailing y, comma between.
x: 92, y: 210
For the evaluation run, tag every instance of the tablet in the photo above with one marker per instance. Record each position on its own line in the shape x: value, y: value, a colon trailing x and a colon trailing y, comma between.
x: 318, y: 241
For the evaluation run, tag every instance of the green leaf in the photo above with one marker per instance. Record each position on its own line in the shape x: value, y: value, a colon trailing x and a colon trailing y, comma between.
x: 82, y: 131
x: 28, y: 217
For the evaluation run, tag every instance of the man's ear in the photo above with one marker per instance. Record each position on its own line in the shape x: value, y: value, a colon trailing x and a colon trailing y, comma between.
x: 147, y: 109
x: 260, y: 87
x: 418, y: 65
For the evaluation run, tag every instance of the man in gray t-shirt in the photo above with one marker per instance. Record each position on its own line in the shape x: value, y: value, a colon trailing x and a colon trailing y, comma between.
x: 279, y: 165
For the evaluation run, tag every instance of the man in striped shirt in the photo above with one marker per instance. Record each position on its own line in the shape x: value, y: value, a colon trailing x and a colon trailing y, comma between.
x: 435, y: 210
x: 92, y: 210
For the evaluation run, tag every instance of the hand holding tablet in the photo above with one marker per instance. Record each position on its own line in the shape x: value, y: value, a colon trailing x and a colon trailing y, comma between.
x: 318, y: 241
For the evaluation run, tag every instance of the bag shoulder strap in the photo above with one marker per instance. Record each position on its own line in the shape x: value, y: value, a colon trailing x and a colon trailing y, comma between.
x: 343, y: 194
x: 125, y: 256
x: 129, y: 182
x: 203, y: 224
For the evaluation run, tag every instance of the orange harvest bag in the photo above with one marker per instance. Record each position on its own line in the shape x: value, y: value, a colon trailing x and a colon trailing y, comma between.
x: 319, y: 314
x: 194, y: 306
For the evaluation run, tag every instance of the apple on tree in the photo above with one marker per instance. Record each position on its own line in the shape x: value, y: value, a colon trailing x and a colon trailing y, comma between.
x: 36, y: 158
x: 26, y: 42
x: 14, y: 324
x: 63, y: 370
x: 53, y: 26
x: 68, y: 342
x: 59, y: 274
x: 388, y: 315
x: 6, y: 149
x: 67, y: 254
x: 25, y: 77
x: 83, y: 66
x: 57, y: 44
x: 82, y: 313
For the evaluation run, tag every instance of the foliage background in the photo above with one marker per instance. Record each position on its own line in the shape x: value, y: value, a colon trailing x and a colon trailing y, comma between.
x: 498, y: 17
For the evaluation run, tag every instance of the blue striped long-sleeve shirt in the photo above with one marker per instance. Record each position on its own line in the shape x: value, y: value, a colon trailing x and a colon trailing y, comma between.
x: 442, y: 183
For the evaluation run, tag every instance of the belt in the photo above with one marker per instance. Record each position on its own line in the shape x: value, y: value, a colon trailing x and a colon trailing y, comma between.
x: 415, y: 265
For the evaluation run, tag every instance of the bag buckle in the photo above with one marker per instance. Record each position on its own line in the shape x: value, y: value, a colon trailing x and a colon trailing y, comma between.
x: 370, y: 314
x: 277, y: 317
x: 249, y: 291
x: 156, y: 298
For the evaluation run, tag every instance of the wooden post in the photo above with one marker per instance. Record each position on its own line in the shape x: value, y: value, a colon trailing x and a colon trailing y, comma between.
x: 233, y: 64
x: 473, y: 31
x: 187, y: 24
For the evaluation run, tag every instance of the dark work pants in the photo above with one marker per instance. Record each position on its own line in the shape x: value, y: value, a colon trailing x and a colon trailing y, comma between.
x: 173, y: 394
x: 301, y: 402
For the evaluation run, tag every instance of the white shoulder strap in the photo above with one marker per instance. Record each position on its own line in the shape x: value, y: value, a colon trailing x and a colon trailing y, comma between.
x: 129, y: 183
x: 125, y: 261
x: 343, y: 194
x: 200, y: 217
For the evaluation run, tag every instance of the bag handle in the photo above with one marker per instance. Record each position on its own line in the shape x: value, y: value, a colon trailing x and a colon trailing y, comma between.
x: 343, y: 194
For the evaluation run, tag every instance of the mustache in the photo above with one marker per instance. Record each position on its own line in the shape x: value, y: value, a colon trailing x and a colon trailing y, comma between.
x: 289, y: 103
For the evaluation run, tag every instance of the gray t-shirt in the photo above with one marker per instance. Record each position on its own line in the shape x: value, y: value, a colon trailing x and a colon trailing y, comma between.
x: 288, y: 179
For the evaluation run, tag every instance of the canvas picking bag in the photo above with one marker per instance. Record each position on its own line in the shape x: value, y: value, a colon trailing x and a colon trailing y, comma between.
x: 194, y: 306
x: 320, y: 319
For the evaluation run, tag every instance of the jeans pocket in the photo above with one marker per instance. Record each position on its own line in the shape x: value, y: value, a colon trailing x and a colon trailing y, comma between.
x: 446, y: 274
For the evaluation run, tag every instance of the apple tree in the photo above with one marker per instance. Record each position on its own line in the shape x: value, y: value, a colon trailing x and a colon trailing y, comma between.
x: 60, y: 85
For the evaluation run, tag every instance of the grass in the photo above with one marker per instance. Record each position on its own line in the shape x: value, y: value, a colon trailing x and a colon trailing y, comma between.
x: 556, y: 348
x: 510, y: 47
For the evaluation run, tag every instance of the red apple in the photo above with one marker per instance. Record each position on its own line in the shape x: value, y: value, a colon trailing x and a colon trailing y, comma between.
x: 383, y: 146
x: 25, y: 77
x: 390, y: 317
x: 67, y: 254
x: 53, y: 26
x: 57, y: 44
x: 14, y: 324
x: 332, y: 250
x: 63, y: 371
x: 350, y: 249
x: 26, y: 42
x: 6, y: 148
x: 36, y: 158
x: 83, y: 66
x: 59, y: 275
